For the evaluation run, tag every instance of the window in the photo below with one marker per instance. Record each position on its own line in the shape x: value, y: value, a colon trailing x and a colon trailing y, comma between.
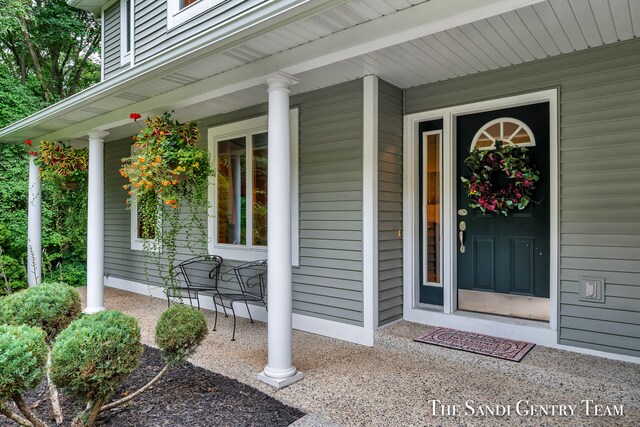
x: 431, y: 188
x: 238, y: 218
x: 185, y: 3
x: 180, y: 11
x: 506, y: 129
x: 126, y: 31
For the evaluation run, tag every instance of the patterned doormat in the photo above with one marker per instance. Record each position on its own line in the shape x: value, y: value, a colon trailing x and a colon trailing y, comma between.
x: 487, y: 345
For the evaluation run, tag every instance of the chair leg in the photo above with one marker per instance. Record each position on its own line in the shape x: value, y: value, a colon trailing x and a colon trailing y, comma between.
x: 233, y: 337
x: 249, y: 311
x: 215, y: 306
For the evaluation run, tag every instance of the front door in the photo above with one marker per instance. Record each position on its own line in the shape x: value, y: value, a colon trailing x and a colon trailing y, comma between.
x: 503, y: 261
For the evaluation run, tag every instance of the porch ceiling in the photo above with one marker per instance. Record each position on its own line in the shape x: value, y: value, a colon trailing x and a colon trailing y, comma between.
x: 431, y: 48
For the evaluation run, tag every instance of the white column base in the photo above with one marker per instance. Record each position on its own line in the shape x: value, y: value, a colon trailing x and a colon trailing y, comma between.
x: 93, y: 310
x: 280, y: 383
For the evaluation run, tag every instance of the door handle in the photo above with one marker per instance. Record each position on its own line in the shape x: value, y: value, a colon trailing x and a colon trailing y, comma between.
x: 463, y: 227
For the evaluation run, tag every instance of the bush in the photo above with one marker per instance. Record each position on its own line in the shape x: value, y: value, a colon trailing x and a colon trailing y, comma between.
x: 179, y: 331
x: 15, y: 275
x: 92, y: 357
x: 23, y: 359
x: 50, y: 306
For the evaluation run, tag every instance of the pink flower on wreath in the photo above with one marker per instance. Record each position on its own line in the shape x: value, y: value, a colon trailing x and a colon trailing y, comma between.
x: 518, y: 174
x: 527, y: 183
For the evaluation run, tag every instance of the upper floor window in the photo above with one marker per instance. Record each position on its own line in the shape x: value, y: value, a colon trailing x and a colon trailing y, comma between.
x: 126, y: 31
x: 185, y: 3
x: 180, y: 11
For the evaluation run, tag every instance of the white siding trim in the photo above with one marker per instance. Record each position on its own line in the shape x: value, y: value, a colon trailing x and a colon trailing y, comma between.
x: 370, y: 203
x: 314, y: 325
x: 412, y: 308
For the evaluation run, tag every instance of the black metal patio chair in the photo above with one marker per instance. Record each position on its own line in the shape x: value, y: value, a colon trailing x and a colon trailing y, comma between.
x: 252, y: 280
x: 194, y: 277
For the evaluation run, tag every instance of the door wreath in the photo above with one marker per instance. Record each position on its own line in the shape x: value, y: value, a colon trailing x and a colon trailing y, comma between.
x: 487, y: 192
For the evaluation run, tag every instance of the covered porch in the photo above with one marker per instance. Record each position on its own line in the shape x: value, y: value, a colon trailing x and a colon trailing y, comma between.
x: 393, y: 382
x: 396, y: 58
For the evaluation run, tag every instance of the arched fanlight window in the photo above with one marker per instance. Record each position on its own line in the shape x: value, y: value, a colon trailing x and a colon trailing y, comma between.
x: 506, y: 129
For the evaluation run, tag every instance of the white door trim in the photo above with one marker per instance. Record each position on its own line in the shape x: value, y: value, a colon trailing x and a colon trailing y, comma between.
x: 413, y: 310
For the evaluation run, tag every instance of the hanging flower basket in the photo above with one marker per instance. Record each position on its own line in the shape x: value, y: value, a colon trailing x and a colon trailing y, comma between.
x: 166, y: 161
x: 489, y: 193
x: 62, y: 165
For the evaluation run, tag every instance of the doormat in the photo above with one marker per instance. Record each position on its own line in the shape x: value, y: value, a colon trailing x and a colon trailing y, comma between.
x: 487, y: 345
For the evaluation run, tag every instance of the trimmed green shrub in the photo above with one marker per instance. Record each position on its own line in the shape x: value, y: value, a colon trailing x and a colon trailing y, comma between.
x: 92, y: 357
x: 179, y: 332
x: 50, y: 306
x: 23, y: 359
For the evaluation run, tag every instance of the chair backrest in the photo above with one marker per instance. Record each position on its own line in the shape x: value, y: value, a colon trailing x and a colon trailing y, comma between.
x: 252, y: 277
x: 202, y: 272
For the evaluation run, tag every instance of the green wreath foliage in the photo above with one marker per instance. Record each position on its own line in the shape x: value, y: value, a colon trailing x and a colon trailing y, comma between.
x: 483, y: 186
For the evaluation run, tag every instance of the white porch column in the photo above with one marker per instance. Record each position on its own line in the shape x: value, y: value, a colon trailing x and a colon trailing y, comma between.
x: 95, y: 225
x: 279, y: 371
x: 34, y: 228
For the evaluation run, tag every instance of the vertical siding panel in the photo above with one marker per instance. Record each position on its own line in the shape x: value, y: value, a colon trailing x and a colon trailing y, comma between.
x: 389, y: 203
x: 328, y: 283
x: 599, y: 134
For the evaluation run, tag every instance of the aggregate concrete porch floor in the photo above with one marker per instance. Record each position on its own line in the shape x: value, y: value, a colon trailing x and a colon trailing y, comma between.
x: 391, y: 383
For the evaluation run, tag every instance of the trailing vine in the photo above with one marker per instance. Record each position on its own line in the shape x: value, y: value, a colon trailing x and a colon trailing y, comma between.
x: 168, y: 186
x: 483, y: 185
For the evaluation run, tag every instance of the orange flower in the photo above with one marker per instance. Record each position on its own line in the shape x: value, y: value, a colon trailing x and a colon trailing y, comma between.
x: 137, y: 184
x: 165, y: 183
x: 141, y: 159
x: 158, y: 159
x: 174, y: 182
x: 143, y: 167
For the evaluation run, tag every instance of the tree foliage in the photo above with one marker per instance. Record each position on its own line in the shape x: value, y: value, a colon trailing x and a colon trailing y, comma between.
x: 49, y: 46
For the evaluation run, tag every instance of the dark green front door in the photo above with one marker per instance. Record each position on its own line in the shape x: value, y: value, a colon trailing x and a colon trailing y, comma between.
x: 504, y: 255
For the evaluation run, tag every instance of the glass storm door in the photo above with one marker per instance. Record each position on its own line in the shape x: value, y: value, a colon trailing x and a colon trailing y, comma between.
x: 504, y: 266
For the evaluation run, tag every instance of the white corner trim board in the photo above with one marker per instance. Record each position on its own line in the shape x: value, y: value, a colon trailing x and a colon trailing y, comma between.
x: 314, y: 325
x: 370, y: 203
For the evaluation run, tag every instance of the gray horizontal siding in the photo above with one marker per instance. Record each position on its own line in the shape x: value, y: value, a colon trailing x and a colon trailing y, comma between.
x: 599, y: 180
x: 153, y: 37
x: 328, y: 283
x: 389, y: 203
x: 111, y: 47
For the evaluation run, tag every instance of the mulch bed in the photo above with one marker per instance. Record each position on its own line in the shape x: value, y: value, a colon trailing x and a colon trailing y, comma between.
x: 185, y: 396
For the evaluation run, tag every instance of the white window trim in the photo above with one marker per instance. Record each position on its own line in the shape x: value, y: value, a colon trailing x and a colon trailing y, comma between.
x: 126, y: 58
x: 242, y: 252
x: 177, y: 16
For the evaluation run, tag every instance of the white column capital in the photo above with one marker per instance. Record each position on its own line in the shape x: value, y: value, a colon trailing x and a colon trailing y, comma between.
x: 98, y: 134
x: 280, y: 80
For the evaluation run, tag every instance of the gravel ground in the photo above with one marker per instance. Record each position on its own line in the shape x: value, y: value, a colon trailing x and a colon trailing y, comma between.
x: 391, y: 383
